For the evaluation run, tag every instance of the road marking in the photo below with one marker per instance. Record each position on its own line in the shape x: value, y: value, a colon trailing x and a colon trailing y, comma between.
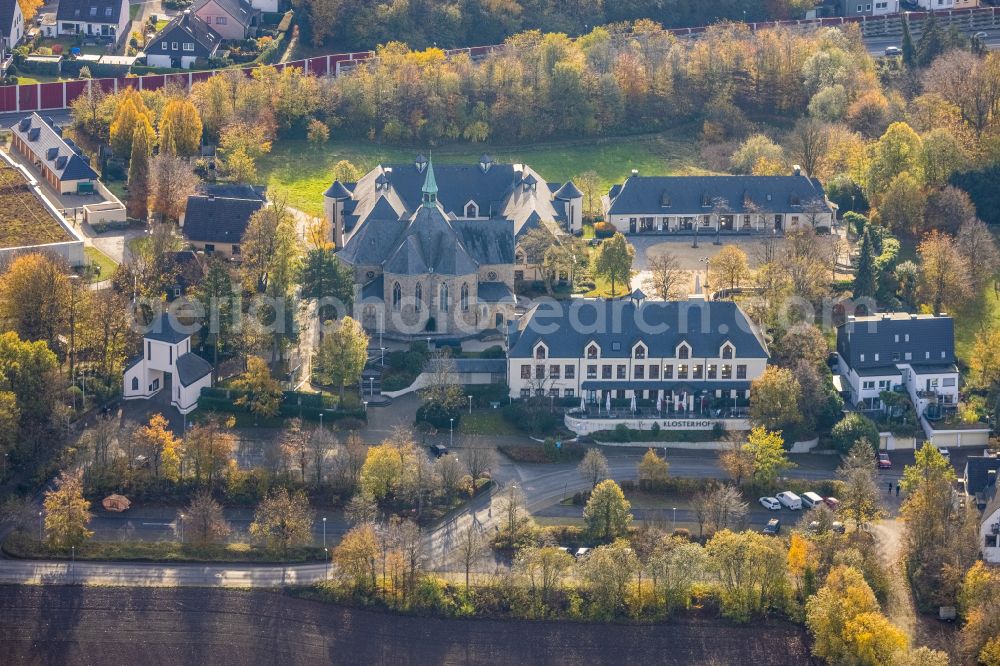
x: 157, y: 524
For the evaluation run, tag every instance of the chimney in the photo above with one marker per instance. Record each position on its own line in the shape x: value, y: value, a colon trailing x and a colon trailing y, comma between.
x: 635, y: 172
x: 991, y: 477
x: 796, y: 170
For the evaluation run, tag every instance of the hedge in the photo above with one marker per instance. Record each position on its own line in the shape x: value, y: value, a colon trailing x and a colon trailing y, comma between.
x: 310, y: 407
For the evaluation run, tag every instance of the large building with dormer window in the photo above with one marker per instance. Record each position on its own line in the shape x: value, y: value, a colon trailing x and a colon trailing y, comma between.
x: 717, y: 204
x: 684, y: 354
x: 430, y: 274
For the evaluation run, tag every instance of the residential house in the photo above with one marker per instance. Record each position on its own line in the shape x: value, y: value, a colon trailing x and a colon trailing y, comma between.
x: 167, y: 362
x: 215, y: 220
x: 935, y: 5
x: 11, y: 30
x: 426, y: 272
x: 989, y: 529
x: 231, y: 19
x: 889, y: 351
x: 980, y: 476
x: 866, y: 7
x: 269, y: 6
x: 182, y: 41
x: 967, y: 4
x: 689, y: 356
x: 105, y: 19
x: 62, y: 164
x: 716, y: 204
x: 483, y: 193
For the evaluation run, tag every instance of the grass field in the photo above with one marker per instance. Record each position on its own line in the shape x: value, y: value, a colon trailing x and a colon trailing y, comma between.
x: 973, y: 318
x: 106, y: 264
x: 301, y: 170
x: 486, y: 422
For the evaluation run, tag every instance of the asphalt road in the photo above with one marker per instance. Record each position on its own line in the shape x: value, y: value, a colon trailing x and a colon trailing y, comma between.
x: 876, y: 45
x: 83, y: 625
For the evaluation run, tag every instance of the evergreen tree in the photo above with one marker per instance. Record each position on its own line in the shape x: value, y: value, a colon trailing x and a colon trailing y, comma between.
x: 931, y: 43
x: 215, y: 292
x: 324, y: 277
x: 909, y: 50
x: 865, y: 283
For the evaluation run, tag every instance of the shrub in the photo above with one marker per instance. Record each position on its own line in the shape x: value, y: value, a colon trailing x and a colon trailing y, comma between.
x: 532, y: 416
x: 496, y: 351
x: 604, y: 229
x: 438, y: 415
x: 851, y: 428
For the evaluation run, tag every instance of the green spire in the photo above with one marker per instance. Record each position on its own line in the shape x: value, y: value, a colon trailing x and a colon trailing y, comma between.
x: 430, y: 188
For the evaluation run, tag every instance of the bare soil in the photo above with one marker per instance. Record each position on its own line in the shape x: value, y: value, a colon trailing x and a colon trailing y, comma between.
x: 149, y: 626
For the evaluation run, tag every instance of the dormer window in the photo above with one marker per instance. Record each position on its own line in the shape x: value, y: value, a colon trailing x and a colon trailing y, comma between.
x: 541, y: 352
x: 639, y: 351
x: 727, y: 350
x: 795, y: 201
x: 420, y: 163
x: 592, y: 351
x: 471, y: 209
x: 706, y: 201
x: 665, y: 200
x: 485, y: 162
x: 683, y: 350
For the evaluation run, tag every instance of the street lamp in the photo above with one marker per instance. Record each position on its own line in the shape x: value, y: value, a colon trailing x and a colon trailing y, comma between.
x: 451, y: 432
x: 74, y: 279
x: 324, y: 532
x: 182, y: 527
x: 675, y: 518
x: 39, y: 527
x: 72, y: 562
x: 470, y: 403
x: 371, y: 386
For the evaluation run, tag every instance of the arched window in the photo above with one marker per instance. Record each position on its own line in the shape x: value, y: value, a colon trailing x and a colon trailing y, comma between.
x: 135, y: 383
x: 418, y: 296
x: 592, y: 351
x: 397, y: 296
x: 727, y: 351
x: 444, y: 298
x: 683, y: 351
x: 471, y: 209
x: 540, y: 352
x: 465, y: 298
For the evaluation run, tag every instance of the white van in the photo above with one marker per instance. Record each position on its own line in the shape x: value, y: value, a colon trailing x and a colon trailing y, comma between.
x: 789, y: 500
x: 811, y: 499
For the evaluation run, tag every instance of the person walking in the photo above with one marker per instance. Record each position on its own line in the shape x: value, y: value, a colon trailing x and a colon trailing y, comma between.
x: 890, y: 488
x: 897, y: 490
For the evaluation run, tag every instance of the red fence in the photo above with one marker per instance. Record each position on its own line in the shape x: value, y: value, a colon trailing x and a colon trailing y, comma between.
x: 55, y: 96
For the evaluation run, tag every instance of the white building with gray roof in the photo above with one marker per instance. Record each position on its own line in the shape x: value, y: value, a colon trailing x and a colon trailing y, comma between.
x: 717, y: 204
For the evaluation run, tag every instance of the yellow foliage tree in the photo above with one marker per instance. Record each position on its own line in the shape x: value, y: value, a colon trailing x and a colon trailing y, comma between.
x: 263, y: 396
x: 29, y: 8
x: 163, y: 448
x: 382, y: 470
x: 67, y: 512
x: 180, y: 129
x: 872, y: 640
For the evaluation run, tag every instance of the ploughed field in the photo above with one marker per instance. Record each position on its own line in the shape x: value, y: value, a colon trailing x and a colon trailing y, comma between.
x: 148, y: 626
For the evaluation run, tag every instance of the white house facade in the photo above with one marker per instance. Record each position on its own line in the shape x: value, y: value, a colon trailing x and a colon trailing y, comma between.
x: 989, y: 530
x: 717, y: 204
x: 11, y: 26
x: 168, y: 362
x: 684, y: 356
x: 105, y: 19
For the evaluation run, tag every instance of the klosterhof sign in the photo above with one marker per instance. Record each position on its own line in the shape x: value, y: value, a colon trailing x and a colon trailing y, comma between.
x: 582, y: 426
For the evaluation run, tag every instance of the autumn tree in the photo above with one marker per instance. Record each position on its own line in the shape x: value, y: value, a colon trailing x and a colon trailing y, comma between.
x: 180, y: 128
x: 898, y: 151
x: 138, y: 168
x: 903, y: 204
x: 589, y: 183
x: 130, y: 113
x: 205, y: 522
x: 515, y: 528
x: 737, y: 463
x: 728, y: 268
x: 984, y: 359
x: 613, y: 261
x: 653, y: 470
x: 758, y: 155
x: 269, y: 250
x: 944, y: 272
x: 767, y: 453
x: 161, y: 447
x: 801, y: 342
x: 808, y: 143
x: 324, y: 277
x: 472, y: 546
x: 607, y: 513
x: 263, y: 393
x: 171, y: 181
x: 35, y: 296
x: 674, y: 567
x: 774, y: 399
x: 719, y: 507
x: 67, y: 512
x: 342, y: 355
x: 357, y: 557
x: 977, y: 244
x: 751, y: 570
x: 861, y: 499
x: 608, y: 572
x: 208, y: 448
x: 283, y: 520
x: 543, y: 568
x: 594, y: 467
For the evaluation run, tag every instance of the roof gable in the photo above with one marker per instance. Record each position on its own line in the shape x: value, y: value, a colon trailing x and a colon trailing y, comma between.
x: 218, y: 219
x: 927, y: 339
x: 43, y: 138
x: 186, y: 28
x: 239, y: 10
x: 91, y: 11
x: 9, y: 9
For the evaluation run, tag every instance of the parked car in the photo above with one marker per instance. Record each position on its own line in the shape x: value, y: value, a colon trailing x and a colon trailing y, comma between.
x: 770, y: 503
x: 883, y: 460
x: 832, y: 502
x: 893, y: 51
x: 439, y: 450
x: 789, y: 500
x: 981, y: 36
x: 811, y: 499
x: 945, y: 453
x: 838, y: 527
x: 580, y: 552
x: 594, y: 242
x: 772, y: 528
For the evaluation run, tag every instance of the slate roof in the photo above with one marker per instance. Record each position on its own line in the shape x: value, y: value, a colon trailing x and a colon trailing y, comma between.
x: 647, y: 195
x: 44, y: 140
x: 568, y: 191
x: 212, y: 219
x: 191, y: 368
x: 879, y: 371
x: 495, y: 292
x: 977, y: 470
x: 493, y: 365
x: 186, y: 27
x: 337, y: 191
x: 992, y: 506
x: 374, y: 289
x: 7, y: 18
x: 163, y: 330
x: 234, y: 190
x: 430, y: 243
x: 80, y: 10
x: 934, y: 369
x: 238, y: 9
x: 567, y: 327
x: 876, y: 334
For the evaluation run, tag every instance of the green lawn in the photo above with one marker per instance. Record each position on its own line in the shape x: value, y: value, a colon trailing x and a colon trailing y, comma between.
x: 973, y: 318
x: 133, y: 10
x: 106, y: 264
x: 302, y: 170
x: 486, y: 422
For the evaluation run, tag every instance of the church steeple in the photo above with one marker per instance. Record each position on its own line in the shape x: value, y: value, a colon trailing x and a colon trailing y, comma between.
x: 430, y: 188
